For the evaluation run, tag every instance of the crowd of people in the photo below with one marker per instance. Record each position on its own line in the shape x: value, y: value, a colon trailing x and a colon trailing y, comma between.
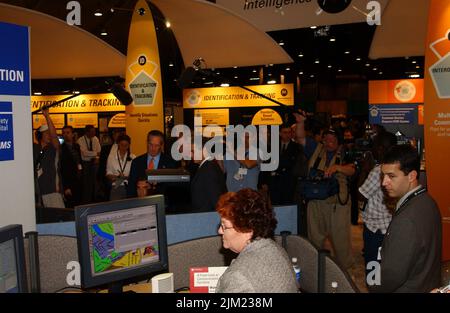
x: 321, y: 169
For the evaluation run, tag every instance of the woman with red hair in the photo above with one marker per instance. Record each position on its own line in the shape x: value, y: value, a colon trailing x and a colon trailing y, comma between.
x: 247, y: 227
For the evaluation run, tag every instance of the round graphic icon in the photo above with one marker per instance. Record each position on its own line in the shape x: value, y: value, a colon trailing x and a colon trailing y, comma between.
x: 374, y: 112
x: 142, y: 60
x: 194, y: 98
x: 284, y: 92
x: 404, y: 91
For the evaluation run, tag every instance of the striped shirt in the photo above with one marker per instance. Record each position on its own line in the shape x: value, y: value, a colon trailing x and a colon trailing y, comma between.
x: 376, y: 216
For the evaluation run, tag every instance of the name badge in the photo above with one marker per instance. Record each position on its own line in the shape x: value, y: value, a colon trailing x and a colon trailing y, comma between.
x: 242, y: 171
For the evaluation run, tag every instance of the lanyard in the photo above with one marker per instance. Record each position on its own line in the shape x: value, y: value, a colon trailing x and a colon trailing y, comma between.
x: 122, y: 169
x: 89, y: 146
x: 411, y: 196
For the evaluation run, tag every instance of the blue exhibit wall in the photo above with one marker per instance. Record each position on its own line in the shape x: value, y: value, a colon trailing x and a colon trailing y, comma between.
x: 182, y: 227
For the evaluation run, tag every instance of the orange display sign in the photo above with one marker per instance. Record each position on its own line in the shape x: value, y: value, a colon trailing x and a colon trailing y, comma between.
x: 396, y: 91
x: 437, y: 112
x: 143, y: 78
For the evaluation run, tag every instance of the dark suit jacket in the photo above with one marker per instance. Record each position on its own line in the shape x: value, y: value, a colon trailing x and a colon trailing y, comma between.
x: 206, y: 187
x: 411, y: 250
x: 138, y: 168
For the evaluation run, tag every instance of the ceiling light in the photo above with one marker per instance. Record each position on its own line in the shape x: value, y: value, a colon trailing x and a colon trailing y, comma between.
x: 281, y: 43
x: 235, y: 77
x: 209, y: 83
x: 414, y: 76
x: 312, y: 76
x: 254, y: 78
x: 347, y: 52
x: 234, y: 66
x: 288, y: 68
x: 339, y: 70
x: 381, y: 73
x: 374, y: 69
x: 98, y: 13
x: 104, y: 33
x: 217, y: 73
x: 358, y: 59
x: 270, y: 74
x: 270, y: 64
x: 329, y: 66
x: 37, y: 93
x: 301, y: 73
x: 313, y: 27
x: 254, y: 71
x: 417, y: 66
x: 76, y: 92
x: 203, y: 78
x: 224, y: 85
x: 271, y: 82
x: 168, y: 24
x: 300, y: 55
x: 170, y: 64
x: 367, y: 64
x: 413, y: 62
x: 317, y: 61
x: 332, y: 39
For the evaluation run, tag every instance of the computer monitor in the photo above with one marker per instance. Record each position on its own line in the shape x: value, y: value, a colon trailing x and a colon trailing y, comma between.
x: 168, y: 175
x: 122, y: 240
x: 13, y: 277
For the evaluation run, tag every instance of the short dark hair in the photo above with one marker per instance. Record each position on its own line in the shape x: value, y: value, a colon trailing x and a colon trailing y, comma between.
x: 248, y: 210
x: 406, y: 156
x: 155, y: 133
x: 89, y: 127
x: 124, y: 137
x: 68, y: 127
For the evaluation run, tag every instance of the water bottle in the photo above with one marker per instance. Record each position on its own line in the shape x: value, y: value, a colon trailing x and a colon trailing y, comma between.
x: 334, y: 287
x: 297, y: 271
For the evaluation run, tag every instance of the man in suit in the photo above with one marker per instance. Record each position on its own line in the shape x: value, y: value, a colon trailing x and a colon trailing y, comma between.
x: 411, y: 249
x: 153, y: 159
x: 282, y: 181
x: 71, y: 168
x: 207, y: 184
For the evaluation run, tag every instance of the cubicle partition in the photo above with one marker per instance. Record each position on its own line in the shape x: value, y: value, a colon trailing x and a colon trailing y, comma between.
x: 182, y: 227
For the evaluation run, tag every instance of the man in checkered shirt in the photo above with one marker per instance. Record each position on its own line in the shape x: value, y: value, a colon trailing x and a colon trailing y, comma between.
x: 376, y: 216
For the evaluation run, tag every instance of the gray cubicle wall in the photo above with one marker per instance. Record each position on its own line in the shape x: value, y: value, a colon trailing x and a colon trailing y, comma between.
x: 181, y: 227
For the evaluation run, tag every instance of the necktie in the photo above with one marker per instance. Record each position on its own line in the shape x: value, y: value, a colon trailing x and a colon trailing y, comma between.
x: 151, y: 164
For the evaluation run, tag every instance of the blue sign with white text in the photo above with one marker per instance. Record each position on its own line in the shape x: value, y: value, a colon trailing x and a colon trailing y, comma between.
x: 6, y: 132
x: 393, y: 114
x: 14, y: 60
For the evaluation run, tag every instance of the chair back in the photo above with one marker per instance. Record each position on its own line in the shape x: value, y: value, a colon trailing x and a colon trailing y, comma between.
x: 55, y: 252
x: 202, y: 252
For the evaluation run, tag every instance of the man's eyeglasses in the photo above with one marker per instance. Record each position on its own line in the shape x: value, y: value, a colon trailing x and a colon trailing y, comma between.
x: 223, y: 227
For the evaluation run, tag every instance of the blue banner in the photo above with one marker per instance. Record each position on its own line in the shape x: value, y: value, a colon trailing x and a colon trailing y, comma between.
x: 6, y: 132
x: 14, y: 60
x: 393, y: 114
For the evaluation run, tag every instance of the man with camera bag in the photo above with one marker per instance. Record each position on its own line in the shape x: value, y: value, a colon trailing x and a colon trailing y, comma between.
x: 326, y: 190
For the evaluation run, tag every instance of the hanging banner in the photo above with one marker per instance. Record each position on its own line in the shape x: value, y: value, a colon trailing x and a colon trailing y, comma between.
x: 234, y: 97
x: 267, y: 117
x: 437, y: 112
x: 104, y: 102
x: 214, y: 116
x: 16, y: 155
x: 57, y: 119
x: 396, y: 101
x: 81, y: 120
x: 118, y: 121
x: 143, y: 78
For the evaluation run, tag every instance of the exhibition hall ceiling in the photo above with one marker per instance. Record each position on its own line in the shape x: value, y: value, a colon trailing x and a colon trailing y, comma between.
x: 343, y: 51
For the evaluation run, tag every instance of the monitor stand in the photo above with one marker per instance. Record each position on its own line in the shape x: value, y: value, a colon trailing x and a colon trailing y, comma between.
x: 117, y: 287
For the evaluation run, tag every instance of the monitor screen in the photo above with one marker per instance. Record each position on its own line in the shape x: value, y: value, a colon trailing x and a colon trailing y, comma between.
x: 121, y: 240
x: 12, y: 263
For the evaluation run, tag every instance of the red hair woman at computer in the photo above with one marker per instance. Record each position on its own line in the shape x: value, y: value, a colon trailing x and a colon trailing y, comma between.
x: 247, y: 226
